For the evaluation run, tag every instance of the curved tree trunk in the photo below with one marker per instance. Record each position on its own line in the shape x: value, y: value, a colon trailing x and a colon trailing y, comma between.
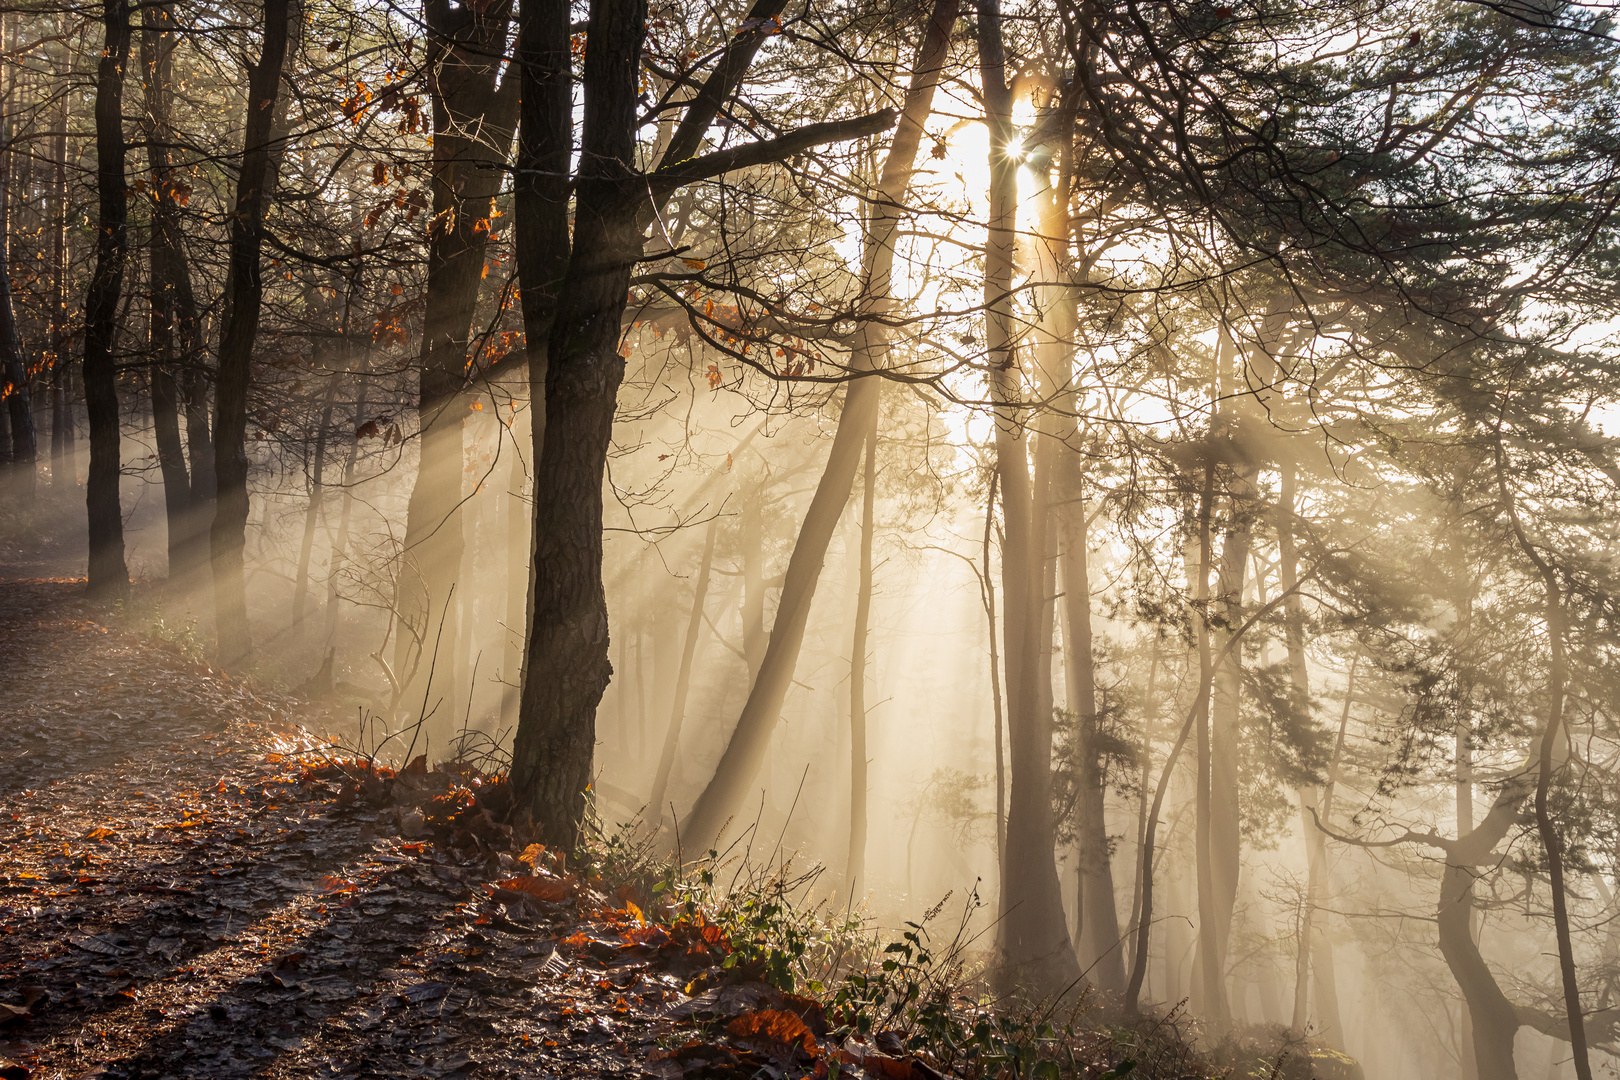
x: 108, y: 574
x: 746, y: 749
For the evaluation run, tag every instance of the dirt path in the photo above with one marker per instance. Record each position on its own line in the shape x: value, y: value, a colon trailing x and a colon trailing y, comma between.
x: 178, y: 904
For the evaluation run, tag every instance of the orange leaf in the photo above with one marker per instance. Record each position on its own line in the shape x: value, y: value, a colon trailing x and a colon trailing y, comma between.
x: 773, y: 1026
x: 551, y: 890
x: 694, y: 264
x: 334, y: 884
x: 99, y: 834
x: 531, y: 854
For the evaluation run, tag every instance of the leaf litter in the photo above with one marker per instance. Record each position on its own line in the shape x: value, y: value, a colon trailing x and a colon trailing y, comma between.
x: 190, y: 892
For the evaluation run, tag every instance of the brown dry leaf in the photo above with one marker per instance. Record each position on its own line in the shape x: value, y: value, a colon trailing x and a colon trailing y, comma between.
x: 777, y: 1030
x: 551, y: 890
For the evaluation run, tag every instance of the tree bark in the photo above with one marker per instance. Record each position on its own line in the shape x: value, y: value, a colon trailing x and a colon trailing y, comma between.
x: 568, y: 666
x: 255, y: 188
x: 740, y: 761
x: 109, y: 577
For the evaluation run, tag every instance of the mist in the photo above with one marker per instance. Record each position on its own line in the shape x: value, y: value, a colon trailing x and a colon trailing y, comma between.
x: 1142, y: 479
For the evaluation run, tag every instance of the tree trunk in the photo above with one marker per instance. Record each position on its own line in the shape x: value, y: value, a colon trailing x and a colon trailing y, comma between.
x: 340, y: 544
x: 1211, y: 983
x: 227, y: 535
x: 1099, y: 932
x: 995, y: 680
x: 474, y: 114
x: 745, y: 750
x: 568, y: 666
x: 1036, y: 954
x: 19, y: 402
x: 1551, y: 840
x: 518, y: 516
x: 683, y: 678
x: 175, y: 331
x: 855, y: 864
x: 61, y: 412
x: 312, y: 514
x: 109, y: 577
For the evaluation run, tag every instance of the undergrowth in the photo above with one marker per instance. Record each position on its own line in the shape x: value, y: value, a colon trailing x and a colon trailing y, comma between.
x: 921, y: 992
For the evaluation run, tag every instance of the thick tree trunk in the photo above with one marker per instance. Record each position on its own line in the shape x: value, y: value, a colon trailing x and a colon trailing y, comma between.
x: 474, y: 114
x: 108, y: 574
x: 568, y: 666
x: 683, y: 678
x: 855, y: 863
x: 255, y: 189
x: 1211, y: 982
x: 745, y: 750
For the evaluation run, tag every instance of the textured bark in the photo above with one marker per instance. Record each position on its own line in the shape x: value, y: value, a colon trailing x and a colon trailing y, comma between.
x: 744, y: 752
x: 255, y: 188
x: 474, y: 115
x: 568, y: 666
x: 855, y: 864
x: 683, y: 677
x: 108, y: 574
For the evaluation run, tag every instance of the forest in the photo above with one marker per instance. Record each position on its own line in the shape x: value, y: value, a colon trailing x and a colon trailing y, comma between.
x: 903, y: 539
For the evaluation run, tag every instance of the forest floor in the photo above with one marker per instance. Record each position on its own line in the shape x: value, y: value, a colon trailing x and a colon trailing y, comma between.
x: 184, y: 897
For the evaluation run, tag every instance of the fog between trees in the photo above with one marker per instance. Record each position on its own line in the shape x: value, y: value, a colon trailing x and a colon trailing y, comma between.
x: 1153, y: 464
